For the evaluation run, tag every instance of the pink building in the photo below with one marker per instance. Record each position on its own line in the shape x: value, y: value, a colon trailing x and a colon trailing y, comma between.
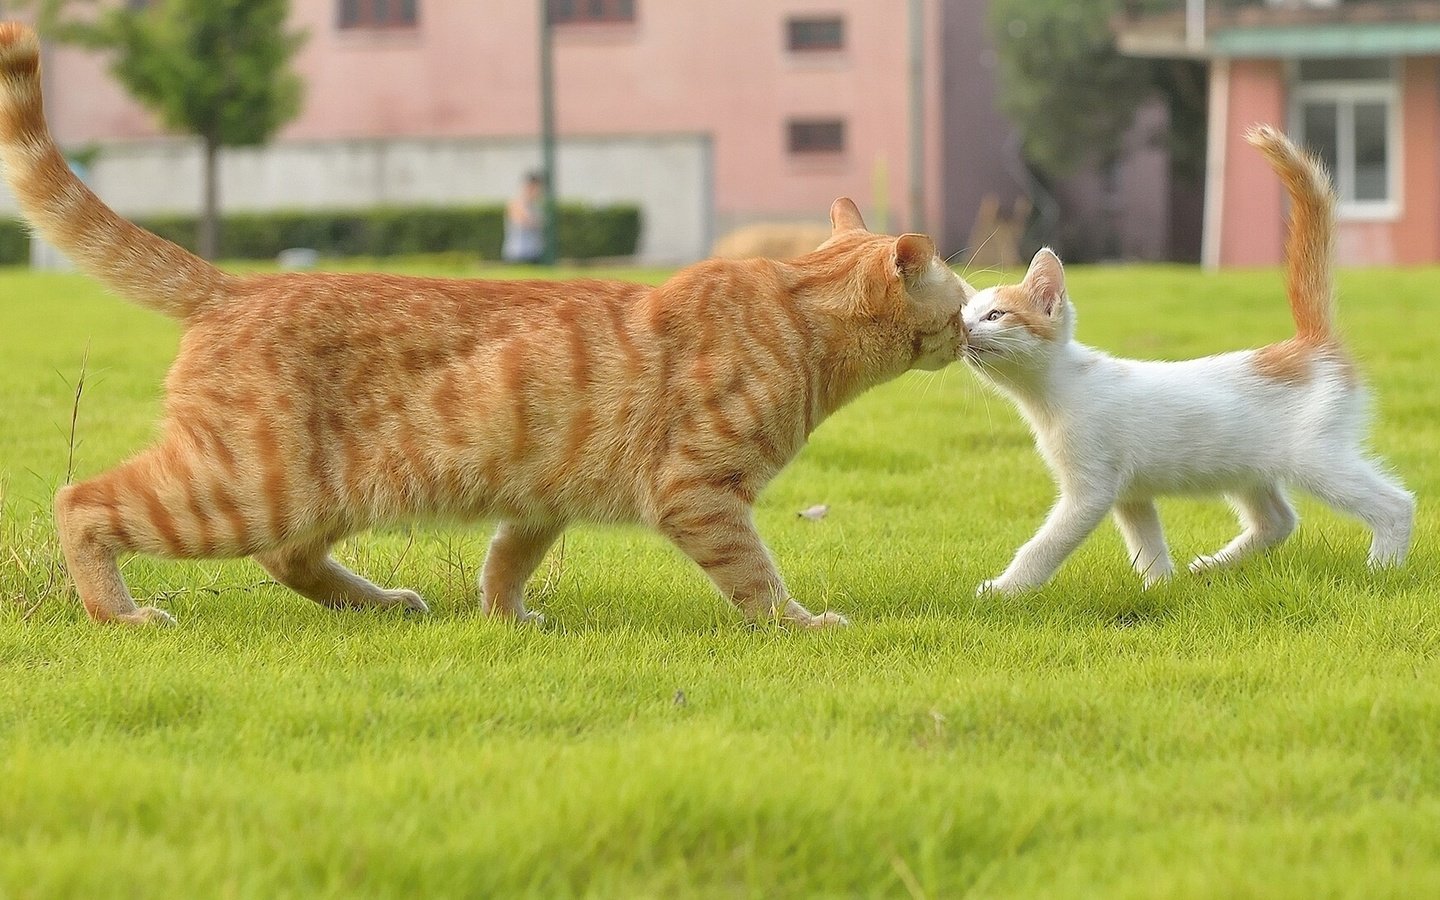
x: 709, y: 115
x: 792, y: 102
x: 1358, y: 82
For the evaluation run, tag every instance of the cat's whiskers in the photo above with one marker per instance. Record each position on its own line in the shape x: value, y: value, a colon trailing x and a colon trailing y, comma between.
x: 993, y: 232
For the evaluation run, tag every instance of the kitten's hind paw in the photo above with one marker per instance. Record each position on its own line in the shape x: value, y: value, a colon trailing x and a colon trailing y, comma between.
x: 1205, y: 563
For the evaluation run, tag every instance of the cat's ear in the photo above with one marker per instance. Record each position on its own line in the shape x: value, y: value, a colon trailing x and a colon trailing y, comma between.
x: 913, y: 254
x: 1045, y: 281
x: 845, y: 216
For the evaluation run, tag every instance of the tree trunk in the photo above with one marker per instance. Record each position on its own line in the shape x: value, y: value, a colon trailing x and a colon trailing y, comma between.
x: 210, y: 213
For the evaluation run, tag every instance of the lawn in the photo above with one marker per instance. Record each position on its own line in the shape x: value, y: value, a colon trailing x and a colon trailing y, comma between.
x: 1270, y: 731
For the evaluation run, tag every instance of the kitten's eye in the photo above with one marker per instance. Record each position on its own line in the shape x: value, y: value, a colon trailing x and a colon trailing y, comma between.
x: 994, y: 315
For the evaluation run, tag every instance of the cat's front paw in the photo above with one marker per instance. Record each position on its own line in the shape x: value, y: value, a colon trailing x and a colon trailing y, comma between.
x: 826, y: 620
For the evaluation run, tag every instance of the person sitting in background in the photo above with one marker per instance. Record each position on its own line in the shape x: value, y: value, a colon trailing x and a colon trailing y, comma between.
x: 525, y: 223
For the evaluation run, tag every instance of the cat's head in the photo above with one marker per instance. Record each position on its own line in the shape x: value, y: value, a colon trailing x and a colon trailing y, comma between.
x: 1017, y: 327
x: 896, y: 290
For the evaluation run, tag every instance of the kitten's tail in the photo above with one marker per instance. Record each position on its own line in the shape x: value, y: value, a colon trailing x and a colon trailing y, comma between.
x: 1309, y: 245
x: 124, y: 257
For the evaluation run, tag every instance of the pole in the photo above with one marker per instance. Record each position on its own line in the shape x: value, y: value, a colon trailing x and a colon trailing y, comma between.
x: 1195, y: 24
x: 547, y: 129
x: 917, y: 115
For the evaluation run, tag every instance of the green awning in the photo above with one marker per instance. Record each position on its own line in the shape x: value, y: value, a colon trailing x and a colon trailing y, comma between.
x: 1355, y: 39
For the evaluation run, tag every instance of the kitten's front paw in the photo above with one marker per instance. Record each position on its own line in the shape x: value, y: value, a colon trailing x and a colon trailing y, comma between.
x: 993, y: 586
x: 1001, y: 587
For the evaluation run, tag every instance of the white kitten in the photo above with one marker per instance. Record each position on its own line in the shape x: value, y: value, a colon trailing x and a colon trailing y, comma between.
x: 1119, y: 432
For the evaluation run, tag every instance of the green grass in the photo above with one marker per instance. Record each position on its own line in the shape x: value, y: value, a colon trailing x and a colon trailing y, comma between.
x: 1273, y: 731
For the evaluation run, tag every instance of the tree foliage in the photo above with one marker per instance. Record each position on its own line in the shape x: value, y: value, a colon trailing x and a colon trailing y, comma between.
x: 1072, y: 92
x: 217, y: 69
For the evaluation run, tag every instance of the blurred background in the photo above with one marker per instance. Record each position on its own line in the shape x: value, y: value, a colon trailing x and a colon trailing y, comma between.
x: 1110, y: 129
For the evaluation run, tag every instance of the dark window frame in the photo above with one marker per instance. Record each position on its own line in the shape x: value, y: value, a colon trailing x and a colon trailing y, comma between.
x: 592, y: 12
x: 378, y: 15
x: 813, y: 136
x: 803, y: 33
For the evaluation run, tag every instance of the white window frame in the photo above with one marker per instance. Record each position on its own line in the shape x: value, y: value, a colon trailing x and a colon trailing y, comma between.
x: 1345, y: 94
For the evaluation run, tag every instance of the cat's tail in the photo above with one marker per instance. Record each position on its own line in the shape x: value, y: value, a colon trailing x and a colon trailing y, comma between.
x: 1309, y: 245
x: 124, y: 257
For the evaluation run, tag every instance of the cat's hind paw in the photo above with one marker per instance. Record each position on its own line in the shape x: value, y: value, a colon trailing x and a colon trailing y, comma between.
x: 408, y: 599
x: 149, y: 616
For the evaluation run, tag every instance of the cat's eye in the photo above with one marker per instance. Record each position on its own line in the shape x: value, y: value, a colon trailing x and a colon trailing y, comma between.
x: 994, y: 315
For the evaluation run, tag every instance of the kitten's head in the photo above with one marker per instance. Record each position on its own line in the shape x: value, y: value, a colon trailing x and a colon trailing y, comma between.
x: 897, y: 290
x: 1017, y: 327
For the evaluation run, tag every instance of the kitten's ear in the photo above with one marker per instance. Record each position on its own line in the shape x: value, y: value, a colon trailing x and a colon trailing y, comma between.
x: 913, y: 254
x: 845, y: 216
x: 1045, y: 281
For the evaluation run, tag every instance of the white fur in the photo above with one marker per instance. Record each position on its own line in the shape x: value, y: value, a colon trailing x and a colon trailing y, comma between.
x: 1118, y: 432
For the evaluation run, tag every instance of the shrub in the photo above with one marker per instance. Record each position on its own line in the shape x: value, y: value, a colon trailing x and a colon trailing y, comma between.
x: 14, y: 242
x: 584, y: 232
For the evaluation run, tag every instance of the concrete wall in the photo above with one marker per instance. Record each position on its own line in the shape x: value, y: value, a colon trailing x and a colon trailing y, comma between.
x: 669, y: 176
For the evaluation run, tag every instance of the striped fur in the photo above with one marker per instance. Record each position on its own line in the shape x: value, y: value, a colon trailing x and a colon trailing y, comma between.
x: 303, y: 408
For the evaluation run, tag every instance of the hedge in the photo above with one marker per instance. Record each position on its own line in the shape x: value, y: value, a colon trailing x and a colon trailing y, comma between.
x: 14, y: 242
x: 584, y: 232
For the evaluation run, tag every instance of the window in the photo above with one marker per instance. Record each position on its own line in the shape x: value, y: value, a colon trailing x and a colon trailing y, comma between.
x: 379, y: 13
x: 817, y: 136
x: 1347, y: 111
x: 818, y: 33
x: 570, y: 11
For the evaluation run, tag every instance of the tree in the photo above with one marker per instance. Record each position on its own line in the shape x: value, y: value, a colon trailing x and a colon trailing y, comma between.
x: 217, y: 69
x: 1074, y: 95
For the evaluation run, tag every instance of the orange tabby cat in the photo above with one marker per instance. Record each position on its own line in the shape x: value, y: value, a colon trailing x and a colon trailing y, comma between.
x: 303, y: 408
